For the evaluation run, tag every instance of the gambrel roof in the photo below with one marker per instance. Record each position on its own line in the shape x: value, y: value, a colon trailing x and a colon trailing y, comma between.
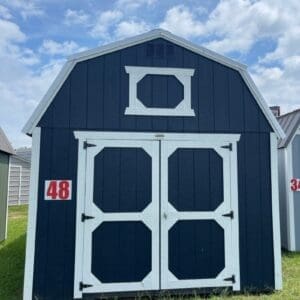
x: 154, y: 34
x: 289, y: 122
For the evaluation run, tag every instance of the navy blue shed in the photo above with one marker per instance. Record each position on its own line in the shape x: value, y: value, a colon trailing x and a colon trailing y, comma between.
x: 154, y: 168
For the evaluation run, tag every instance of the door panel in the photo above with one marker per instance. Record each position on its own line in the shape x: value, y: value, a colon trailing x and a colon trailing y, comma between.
x: 122, y: 179
x: 196, y: 239
x: 123, y: 250
x: 121, y: 240
x: 194, y: 249
x: 195, y: 179
x: 158, y: 214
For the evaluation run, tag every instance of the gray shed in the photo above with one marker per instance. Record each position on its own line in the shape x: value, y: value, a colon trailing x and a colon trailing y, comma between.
x: 19, y: 177
x: 289, y: 180
x: 5, y: 152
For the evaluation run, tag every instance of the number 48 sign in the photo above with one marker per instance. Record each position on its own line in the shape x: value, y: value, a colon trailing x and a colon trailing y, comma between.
x: 58, y: 189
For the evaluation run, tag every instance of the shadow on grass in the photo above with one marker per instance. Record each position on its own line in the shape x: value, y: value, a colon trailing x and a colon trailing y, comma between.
x: 12, y: 269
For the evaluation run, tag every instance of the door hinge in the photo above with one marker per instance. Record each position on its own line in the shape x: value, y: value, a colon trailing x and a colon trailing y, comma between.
x: 230, y: 214
x: 84, y: 285
x: 85, y: 217
x: 232, y: 279
x: 86, y: 145
x: 229, y: 147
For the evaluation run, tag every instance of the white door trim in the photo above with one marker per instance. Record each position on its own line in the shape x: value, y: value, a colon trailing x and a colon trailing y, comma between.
x: 207, y: 140
x: 169, y: 216
x: 147, y: 216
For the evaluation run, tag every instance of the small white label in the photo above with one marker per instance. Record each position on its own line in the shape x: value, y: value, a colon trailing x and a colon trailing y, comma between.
x: 58, y: 189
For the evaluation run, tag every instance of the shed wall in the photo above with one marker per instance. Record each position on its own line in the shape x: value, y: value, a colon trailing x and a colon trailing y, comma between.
x: 4, y: 162
x: 95, y: 96
x: 19, y: 178
x: 283, y: 201
x: 296, y: 195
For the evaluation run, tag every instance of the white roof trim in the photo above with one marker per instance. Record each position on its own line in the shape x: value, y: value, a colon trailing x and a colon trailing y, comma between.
x: 153, y: 34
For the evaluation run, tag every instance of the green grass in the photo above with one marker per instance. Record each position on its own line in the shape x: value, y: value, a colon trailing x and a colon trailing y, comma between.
x: 12, y: 266
x: 12, y: 253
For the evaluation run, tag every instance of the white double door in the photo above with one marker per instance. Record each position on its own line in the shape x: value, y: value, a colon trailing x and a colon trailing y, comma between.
x: 158, y: 214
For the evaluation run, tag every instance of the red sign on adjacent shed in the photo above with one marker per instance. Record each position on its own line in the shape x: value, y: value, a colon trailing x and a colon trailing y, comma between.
x: 295, y: 185
x: 58, y: 189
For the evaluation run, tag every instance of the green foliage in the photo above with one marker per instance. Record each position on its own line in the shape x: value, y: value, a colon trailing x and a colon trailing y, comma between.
x: 12, y: 252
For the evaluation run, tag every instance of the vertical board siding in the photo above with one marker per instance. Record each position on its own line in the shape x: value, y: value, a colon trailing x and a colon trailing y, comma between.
x: 78, y: 94
x: 296, y: 196
x: 19, y: 177
x: 54, y: 272
x: 96, y: 94
x: 221, y: 97
x: 94, y: 97
x: 255, y: 212
x: 4, y: 165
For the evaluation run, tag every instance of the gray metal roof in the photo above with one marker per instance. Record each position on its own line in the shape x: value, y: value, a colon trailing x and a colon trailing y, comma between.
x: 290, y: 123
x: 24, y: 153
x: 5, y: 145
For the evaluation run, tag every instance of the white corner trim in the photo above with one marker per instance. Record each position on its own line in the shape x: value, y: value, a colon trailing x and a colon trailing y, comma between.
x: 157, y: 33
x: 290, y: 198
x: 275, y: 213
x: 32, y: 214
x: 136, y: 107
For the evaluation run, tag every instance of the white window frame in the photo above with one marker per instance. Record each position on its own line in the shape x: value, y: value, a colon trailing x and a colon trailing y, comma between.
x: 136, y: 107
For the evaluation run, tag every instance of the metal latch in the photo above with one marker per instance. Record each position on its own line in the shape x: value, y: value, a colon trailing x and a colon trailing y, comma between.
x: 232, y: 279
x: 86, y: 145
x: 229, y: 147
x: 85, y: 217
x: 84, y: 285
x: 230, y: 214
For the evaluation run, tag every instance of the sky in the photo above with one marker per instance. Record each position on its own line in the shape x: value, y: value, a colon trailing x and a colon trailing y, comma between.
x: 37, y: 36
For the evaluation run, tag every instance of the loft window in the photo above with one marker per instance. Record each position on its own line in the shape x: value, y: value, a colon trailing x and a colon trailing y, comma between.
x: 136, y: 107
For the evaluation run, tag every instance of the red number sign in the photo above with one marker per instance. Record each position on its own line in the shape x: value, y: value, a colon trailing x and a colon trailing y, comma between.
x: 58, y: 189
x: 295, y: 185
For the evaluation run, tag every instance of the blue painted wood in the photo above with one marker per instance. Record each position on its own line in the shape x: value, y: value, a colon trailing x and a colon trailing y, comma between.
x: 236, y: 108
x: 255, y: 212
x: 174, y: 59
x: 130, y: 189
x: 78, y: 101
x: 54, y: 267
x: 221, y: 97
x: 128, y: 58
x: 196, y: 249
x: 195, y: 179
x: 95, y: 96
x: 121, y: 251
x: 251, y: 112
x: 267, y: 275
